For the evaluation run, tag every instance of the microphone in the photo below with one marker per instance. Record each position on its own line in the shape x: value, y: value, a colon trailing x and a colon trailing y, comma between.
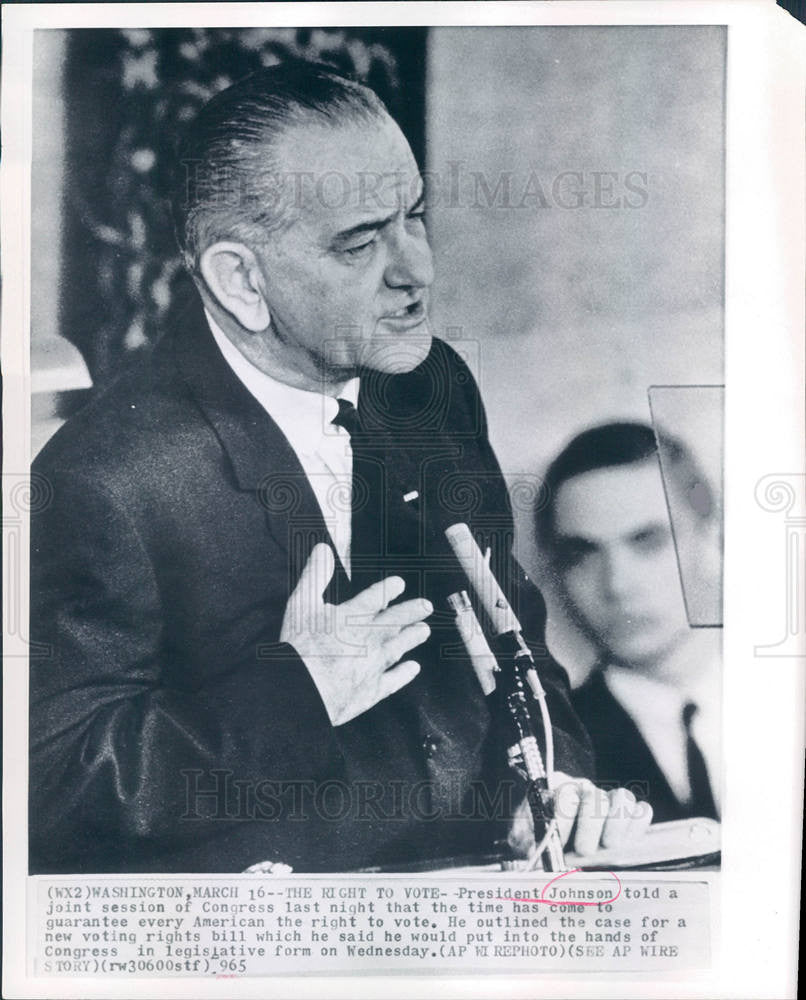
x: 517, y: 674
x: 481, y: 656
x: 482, y: 579
x: 492, y: 598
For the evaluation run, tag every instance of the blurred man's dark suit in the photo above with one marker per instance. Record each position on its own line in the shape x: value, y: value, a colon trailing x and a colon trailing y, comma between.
x: 623, y: 758
x: 167, y: 711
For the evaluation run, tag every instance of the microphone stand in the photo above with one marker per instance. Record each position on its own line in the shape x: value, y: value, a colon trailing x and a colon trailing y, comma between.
x: 512, y: 673
x: 516, y: 674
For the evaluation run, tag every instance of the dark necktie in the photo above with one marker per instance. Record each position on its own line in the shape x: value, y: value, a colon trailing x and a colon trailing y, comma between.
x: 366, y: 544
x: 347, y: 417
x: 702, y: 797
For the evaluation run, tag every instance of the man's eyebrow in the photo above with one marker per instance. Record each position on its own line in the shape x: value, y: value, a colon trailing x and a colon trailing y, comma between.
x: 570, y: 541
x: 650, y: 528
x: 370, y: 226
x: 374, y: 225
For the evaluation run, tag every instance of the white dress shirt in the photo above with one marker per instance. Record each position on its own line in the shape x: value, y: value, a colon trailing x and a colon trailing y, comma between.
x: 656, y: 707
x: 305, y: 418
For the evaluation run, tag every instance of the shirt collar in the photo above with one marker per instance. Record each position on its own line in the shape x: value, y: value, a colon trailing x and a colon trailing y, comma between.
x: 645, y: 697
x: 650, y: 697
x: 302, y: 415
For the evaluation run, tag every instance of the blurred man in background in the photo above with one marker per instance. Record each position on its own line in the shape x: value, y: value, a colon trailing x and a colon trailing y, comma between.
x: 652, y: 701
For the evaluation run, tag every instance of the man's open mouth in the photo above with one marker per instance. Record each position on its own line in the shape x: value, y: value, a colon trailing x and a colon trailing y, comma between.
x: 413, y: 309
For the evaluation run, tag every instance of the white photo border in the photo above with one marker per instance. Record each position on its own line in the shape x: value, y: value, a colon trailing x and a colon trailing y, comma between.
x: 764, y: 323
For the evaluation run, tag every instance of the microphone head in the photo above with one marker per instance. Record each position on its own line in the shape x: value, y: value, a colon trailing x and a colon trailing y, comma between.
x: 482, y: 579
x: 459, y: 535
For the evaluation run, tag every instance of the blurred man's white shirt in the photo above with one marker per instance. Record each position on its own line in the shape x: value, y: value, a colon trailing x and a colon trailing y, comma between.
x: 656, y: 707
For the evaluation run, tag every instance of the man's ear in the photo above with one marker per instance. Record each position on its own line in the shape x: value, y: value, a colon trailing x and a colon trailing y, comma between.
x: 231, y: 272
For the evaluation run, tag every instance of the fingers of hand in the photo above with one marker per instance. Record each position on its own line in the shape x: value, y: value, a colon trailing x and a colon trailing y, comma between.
x: 376, y: 597
x: 566, y: 803
x: 620, y: 824
x: 388, y: 632
x: 593, y: 810
x: 521, y: 837
x: 405, y: 613
x: 627, y: 819
x: 607, y: 818
x: 578, y: 802
x: 397, y: 677
x: 385, y: 684
x: 401, y: 642
x: 306, y: 612
x: 316, y: 575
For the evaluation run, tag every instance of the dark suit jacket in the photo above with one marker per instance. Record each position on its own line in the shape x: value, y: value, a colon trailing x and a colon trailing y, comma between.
x: 170, y: 729
x: 623, y: 758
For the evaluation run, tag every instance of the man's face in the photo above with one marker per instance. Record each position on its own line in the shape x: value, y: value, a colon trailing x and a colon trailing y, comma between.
x: 615, y: 554
x: 346, y: 281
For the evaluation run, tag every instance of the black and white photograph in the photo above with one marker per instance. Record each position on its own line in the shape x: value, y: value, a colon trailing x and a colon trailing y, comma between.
x: 242, y: 576
x: 375, y: 523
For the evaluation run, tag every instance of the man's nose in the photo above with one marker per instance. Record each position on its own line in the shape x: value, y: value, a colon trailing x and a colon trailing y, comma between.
x: 618, y: 577
x: 411, y: 263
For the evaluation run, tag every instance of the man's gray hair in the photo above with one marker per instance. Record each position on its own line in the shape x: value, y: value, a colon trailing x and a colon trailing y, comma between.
x: 227, y: 183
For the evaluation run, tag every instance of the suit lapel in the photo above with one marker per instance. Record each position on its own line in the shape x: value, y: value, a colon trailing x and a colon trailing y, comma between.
x: 261, y: 458
x: 629, y: 756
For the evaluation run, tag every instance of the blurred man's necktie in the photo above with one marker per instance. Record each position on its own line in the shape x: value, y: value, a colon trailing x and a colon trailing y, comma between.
x: 702, y: 796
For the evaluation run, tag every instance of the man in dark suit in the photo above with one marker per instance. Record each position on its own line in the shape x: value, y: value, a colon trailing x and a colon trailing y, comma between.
x: 651, y: 704
x: 240, y: 584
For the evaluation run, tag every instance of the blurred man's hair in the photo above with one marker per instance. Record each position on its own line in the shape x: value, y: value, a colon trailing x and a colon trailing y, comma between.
x: 618, y: 444
x: 226, y: 183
